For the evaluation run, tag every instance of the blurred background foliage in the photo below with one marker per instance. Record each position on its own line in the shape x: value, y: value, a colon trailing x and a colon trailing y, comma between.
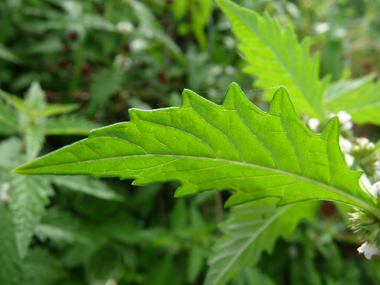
x: 103, y: 57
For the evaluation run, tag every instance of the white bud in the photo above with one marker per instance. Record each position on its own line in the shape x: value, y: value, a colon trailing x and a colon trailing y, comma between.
x: 313, y: 124
x: 345, y: 145
x: 344, y: 117
x: 362, y: 141
x: 369, y: 249
x: 124, y: 27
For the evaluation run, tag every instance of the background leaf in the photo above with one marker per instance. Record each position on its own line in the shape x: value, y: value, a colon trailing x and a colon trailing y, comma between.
x: 252, y: 229
x: 359, y: 97
x: 29, y: 198
x: 276, y: 58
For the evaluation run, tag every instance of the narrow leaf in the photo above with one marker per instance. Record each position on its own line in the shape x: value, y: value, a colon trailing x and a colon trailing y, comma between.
x: 276, y: 58
x: 252, y: 229
x: 358, y: 97
x: 205, y: 146
x: 15, y: 102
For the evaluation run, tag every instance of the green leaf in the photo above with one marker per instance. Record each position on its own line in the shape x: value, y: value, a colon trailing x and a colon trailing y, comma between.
x: 195, y: 263
x: 35, y: 99
x: 105, y: 84
x: 205, y: 146
x: 276, y: 58
x: 14, y: 101
x: 29, y: 198
x: 88, y: 186
x: 57, y: 109
x: 358, y: 97
x: 8, y: 116
x: 34, y: 137
x: 10, y: 262
x: 39, y: 267
x: 70, y: 125
x: 252, y: 229
x: 8, y: 55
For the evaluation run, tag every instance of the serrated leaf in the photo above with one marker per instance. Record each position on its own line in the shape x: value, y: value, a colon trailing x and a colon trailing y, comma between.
x: 359, y: 97
x: 29, y: 198
x: 7, y: 116
x: 252, y: 229
x: 205, y: 146
x: 10, y: 262
x: 70, y: 125
x: 34, y: 137
x: 88, y: 186
x: 35, y: 99
x: 39, y: 267
x: 276, y: 58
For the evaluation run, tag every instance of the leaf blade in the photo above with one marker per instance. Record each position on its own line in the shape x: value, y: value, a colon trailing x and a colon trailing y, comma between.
x: 276, y: 58
x: 205, y: 146
x: 252, y: 229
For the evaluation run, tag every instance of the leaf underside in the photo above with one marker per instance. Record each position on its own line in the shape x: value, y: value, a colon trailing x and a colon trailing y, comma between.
x: 205, y: 146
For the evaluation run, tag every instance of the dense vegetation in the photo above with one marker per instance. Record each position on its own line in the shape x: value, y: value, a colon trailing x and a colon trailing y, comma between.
x: 82, y: 64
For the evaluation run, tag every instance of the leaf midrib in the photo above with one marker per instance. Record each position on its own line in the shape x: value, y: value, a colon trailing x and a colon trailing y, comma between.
x: 340, y: 192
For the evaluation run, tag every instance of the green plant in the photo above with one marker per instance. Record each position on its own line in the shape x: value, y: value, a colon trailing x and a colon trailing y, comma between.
x: 200, y: 145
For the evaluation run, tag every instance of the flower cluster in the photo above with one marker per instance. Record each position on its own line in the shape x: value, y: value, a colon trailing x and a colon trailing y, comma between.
x: 367, y: 225
x: 366, y: 157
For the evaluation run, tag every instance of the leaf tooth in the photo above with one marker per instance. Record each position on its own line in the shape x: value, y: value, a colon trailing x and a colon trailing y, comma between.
x: 331, y: 131
x: 187, y: 97
x: 234, y: 94
x: 186, y: 189
x: 238, y: 198
x: 280, y: 102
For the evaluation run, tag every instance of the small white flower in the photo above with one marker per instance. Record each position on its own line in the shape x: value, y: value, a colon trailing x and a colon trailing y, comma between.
x: 345, y: 120
x: 313, y: 124
x: 344, y: 117
x: 369, y: 249
x: 345, y: 145
x: 122, y: 62
x: 362, y: 141
x: 124, y: 27
x: 4, y: 197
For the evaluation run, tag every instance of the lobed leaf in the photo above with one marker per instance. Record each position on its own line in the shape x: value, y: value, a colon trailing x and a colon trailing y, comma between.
x: 276, y: 58
x: 205, y: 146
